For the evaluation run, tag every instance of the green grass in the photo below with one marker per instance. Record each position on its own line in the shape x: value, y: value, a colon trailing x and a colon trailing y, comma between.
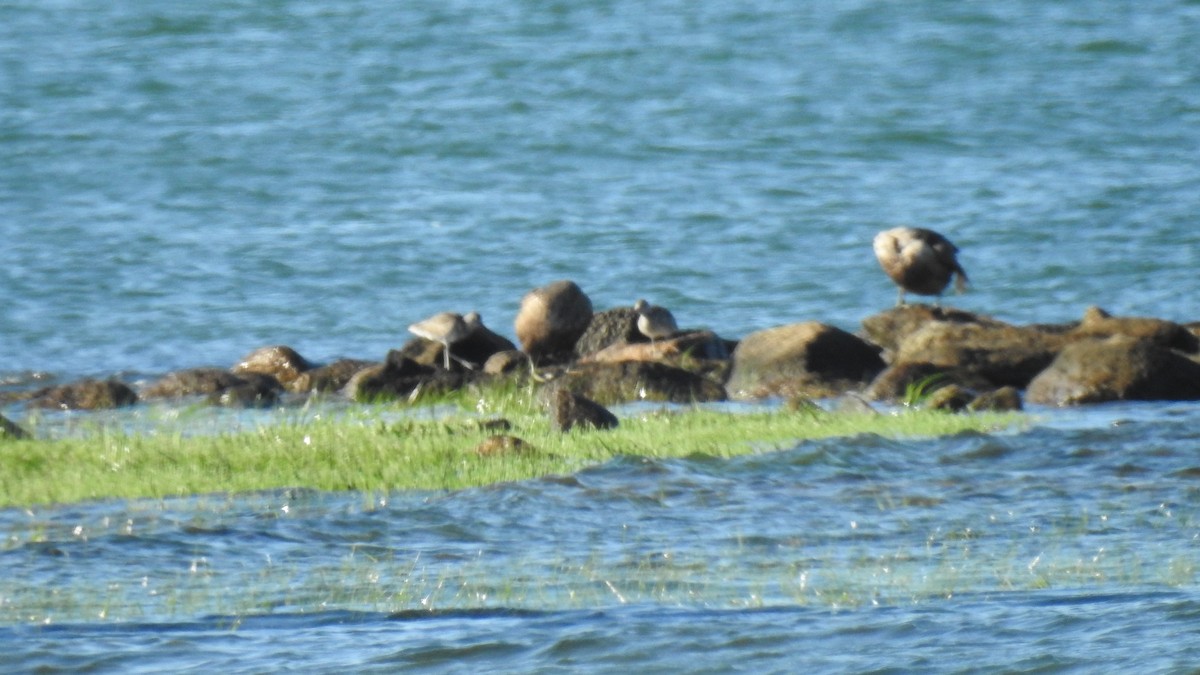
x: 379, y: 448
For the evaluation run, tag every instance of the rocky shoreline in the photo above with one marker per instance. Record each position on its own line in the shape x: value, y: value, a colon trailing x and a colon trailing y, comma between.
x: 961, y: 360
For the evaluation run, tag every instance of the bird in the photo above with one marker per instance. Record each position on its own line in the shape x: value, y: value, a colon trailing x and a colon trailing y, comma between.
x: 654, y: 321
x: 447, y: 328
x: 920, y: 261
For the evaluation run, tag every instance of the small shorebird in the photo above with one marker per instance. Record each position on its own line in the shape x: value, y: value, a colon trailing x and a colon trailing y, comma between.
x: 446, y: 328
x: 654, y: 321
x: 919, y: 261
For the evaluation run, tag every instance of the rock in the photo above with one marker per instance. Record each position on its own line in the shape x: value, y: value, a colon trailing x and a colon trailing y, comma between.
x: 256, y: 390
x: 281, y: 362
x: 330, y: 377
x: 694, y: 345
x: 1000, y: 354
x: 401, y: 377
x: 1118, y: 368
x: 950, y: 397
x: 895, y: 381
x: 503, y: 444
x: 221, y: 387
x: 85, y: 394
x: 1004, y: 399
x: 639, y: 381
x: 890, y: 328
x: 11, y: 430
x: 569, y: 410
x: 610, y: 327
x: 1099, y: 323
x: 551, y: 320
x: 507, y: 362
x: 803, y: 359
x: 191, y: 382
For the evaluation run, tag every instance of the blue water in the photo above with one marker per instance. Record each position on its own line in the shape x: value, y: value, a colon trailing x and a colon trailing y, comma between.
x: 181, y: 183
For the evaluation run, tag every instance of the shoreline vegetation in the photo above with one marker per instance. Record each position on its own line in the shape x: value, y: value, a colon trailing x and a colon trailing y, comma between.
x: 498, y: 435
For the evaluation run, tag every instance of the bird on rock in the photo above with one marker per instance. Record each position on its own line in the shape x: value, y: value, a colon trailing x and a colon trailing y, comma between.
x: 447, y: 328
x: 654, y: 321
x: 919, y: 261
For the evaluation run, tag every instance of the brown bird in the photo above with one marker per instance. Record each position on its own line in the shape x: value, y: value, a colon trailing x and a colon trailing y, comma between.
x: 654, y: 321
x: 919, y: 261
x: 447, y: 328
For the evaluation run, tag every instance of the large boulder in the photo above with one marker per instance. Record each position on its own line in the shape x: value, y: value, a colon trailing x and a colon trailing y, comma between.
x: 804, y: 359
x: 551, y: 320
x: 279, y: 361
x: 1117, y: 368
x: 85, y: 394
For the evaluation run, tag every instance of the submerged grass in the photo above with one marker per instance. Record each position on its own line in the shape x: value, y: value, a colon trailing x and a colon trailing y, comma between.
x: 377, y: 448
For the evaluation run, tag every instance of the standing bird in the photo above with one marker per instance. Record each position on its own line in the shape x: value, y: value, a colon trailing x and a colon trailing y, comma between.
x: 919, y: 261
x: 654, y: 321
x: 447, y: 328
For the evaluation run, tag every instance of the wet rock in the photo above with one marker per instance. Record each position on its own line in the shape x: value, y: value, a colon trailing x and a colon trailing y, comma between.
x: 569, y: 410
x: 330, y: 377
x: 11, y: 430
x: 803, y: 359
x: 191, y: 382
x: 551, y: 320
x: 399, y: 377
x: 1099, y: 323
x: 281, y: 362
x: 1004, y: 399
x: 85, y: 395
x: 1116, y: 368
x: 610, y: 327
x: 622, y: 381
x: 503, y: 444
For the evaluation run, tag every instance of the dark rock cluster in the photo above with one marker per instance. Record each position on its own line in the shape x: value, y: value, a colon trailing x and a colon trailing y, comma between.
x: 953, y: 360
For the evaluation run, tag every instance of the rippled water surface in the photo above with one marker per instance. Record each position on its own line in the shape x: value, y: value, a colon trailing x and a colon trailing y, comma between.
x: 181, y: 183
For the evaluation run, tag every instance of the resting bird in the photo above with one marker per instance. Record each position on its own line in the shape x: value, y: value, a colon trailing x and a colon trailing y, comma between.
x: 653, y: 321
x: 447, y: 328
x: 919, y: 261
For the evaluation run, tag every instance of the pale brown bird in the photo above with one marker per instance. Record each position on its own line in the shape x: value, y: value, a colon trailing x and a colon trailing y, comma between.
x: 447, y: 328
x: 919, y: 261
x: 654, y: 321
